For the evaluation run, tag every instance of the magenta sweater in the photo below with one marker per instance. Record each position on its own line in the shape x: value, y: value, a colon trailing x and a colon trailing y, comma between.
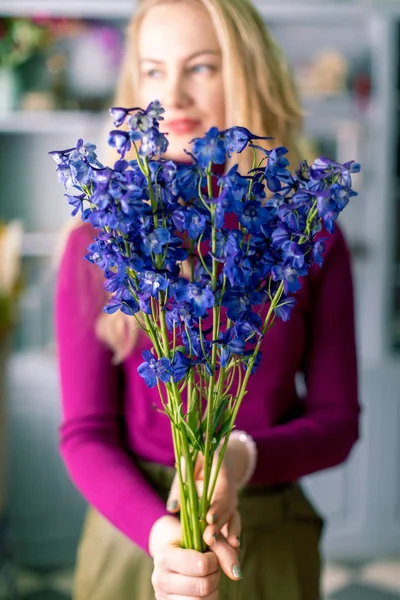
x: 108, y: 411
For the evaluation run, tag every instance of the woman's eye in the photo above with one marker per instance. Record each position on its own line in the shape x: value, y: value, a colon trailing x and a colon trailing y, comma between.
x: 153, y: 73
x: 203, y: 68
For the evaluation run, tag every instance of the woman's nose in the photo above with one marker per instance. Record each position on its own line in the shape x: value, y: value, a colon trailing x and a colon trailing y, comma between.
x: 176, y: 94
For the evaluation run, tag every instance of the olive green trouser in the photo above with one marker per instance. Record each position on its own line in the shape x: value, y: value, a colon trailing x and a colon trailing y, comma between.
x: 279, y: 553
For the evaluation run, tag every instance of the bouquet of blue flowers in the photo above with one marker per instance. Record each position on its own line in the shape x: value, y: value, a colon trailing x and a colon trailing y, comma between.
x: 204, y: 292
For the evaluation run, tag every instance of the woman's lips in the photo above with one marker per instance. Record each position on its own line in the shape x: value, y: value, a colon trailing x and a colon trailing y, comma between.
x: 181, y: 126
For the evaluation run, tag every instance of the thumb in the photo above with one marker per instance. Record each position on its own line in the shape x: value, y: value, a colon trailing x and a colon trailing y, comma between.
x: 173, y: 502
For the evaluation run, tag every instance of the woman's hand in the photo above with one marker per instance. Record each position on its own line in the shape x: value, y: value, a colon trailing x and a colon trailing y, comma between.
x: 186, y: 574
x: 223, y: 515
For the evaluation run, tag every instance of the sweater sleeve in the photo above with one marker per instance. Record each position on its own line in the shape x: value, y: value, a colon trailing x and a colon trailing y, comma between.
x: 324, y: 434
x: 91, y: 440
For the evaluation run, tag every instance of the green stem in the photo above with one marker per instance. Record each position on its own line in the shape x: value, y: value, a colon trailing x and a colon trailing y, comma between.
x: 253, y: 167
x: 187, y: 535
x: 163, y: 325
x: 189, y: 482
x: 181, y: 446
x: 243, y: 386
x: 208, y: 454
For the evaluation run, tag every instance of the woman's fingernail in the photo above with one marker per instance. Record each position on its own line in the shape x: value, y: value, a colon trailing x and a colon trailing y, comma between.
x: 172, y: 505
x: 214, y: 518
x: 237, y: 572
x: 215, y: 537
x: 238, y: 539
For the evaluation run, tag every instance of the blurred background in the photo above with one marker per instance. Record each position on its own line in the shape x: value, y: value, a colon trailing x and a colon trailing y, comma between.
x: 58, y: 65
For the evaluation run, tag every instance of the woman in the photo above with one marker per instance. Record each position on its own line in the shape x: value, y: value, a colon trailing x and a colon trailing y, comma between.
x: 210, y: 63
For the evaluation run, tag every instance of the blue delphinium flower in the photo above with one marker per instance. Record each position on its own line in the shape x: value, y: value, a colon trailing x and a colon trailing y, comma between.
x: 195, y: 223
x: 117, y: 278
x: 120, y: 140
x: 325, y: 167
x: 122, y: 300
x: 59, y: 156
x: 144, y: 120
x: 238, y: 300
x: 211, y: 148
x: 233, y: 244
x: 251, y: 215
x: 199, y: 296
x: 76, y: 202
x: 289, y: 275
x: 293, y: 254
x: 187, y: 181
x: 81, y: 172
x: 235, y: 185
x: 284, y: 309
x: 237, y: 139
x: 119, y: 114
x: 180, y: 366
x: 179, y: 314
x: 155, y: 110
x: 328, y: 209
x: 290, y: 214
x: 247, y: 355
x: 152, y: 283
x: 229, y: 343
x: 163, y: 176
x: 280, y: 235
x: 276, y: 171
x: 140, y: 121
x: 143, y: 126
x: 85, y: 151
x: 248, y: 325
x: 76, y: 166
x: 190, y: 219
x: 153, y: 143
x: 154, y: 241
x: 318, y: 250
x: 152, y: 369
x: 194, y: 345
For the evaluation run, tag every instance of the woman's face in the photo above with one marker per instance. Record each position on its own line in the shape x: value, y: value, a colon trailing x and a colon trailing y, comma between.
x: 181, y: 66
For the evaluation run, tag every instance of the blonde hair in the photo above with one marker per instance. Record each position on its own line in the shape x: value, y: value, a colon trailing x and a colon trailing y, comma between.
x: 259, y: 94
